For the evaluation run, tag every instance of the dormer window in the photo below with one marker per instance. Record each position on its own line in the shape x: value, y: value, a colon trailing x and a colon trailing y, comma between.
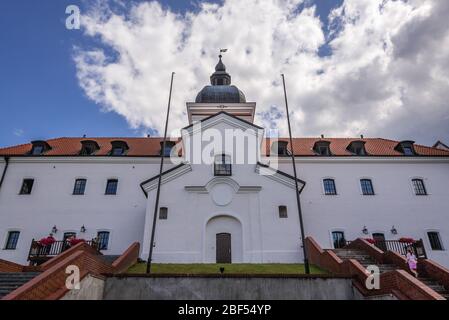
x: 280, y: 148
x: 169, y: 145
x: 322, y: 148
x: 119, y: 148
x: 89, y: 147
x: 406, y: 148
x: 39, y: 148
x: 357, y: 148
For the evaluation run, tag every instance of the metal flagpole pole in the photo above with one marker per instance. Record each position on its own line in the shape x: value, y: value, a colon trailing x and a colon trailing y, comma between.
x: 298, y: 201
x: 156, y: 205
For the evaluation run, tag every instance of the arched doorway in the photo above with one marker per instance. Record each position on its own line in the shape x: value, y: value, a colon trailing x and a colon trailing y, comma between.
x: 224, y: 240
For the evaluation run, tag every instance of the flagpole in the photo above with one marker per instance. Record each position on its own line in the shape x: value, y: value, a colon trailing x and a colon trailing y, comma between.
x: 298, y: 201
x: 156, y: 205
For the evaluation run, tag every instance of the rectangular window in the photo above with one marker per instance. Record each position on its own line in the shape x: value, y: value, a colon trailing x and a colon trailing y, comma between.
x: 11, y: 241
x: 222, y: 165
x: 420, y: 189
x: 339, y: 240
x: 103, y: 240
x: 27, y: 186
x: 80, y: 186
x: 111, y: 187
x: 329, y: 187
x: 367, y: 187
x: 435, y: 241
x: 163, y: 213
x: 283, y: 212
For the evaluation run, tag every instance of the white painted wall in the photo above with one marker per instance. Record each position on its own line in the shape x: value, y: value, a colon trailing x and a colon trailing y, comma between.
x: 52, y: 202
x: 184, y: 237
x: 395, y: 203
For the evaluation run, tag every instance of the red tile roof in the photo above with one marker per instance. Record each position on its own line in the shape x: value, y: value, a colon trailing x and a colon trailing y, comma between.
x: 148, y: 147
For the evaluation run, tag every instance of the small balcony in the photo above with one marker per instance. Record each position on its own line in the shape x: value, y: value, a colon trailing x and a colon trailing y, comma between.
x: 398, y: 246
x: 40, y: 253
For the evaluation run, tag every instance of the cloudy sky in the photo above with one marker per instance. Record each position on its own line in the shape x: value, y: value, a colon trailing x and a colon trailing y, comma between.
x: 373, y: 67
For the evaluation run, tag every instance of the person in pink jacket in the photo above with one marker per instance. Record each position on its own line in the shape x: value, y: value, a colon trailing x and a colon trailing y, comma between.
x: 412, y: 262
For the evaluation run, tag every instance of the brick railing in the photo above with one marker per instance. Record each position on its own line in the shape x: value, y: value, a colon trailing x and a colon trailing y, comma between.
x: 7, y: 266
x: 434, y: 271
x: 82, y: 246
x: 397, y: 282
x: 127, y: 259
x: 51, y: 283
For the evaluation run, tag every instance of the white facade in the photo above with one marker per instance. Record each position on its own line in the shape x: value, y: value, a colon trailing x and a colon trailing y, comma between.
x: 244, y: 205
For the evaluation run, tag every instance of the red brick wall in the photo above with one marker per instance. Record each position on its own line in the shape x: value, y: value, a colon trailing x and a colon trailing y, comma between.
x: 52, y: 281
x: 7, y: 266
x: 398, y: 282
x: 50, y: 285
x: 127, y: 259
x: 434, y: 271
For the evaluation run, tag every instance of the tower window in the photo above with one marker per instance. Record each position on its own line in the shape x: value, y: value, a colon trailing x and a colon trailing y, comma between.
x: 222, y: 165
x: 103, y: 240
x: 420, y: 188
x: 27, y: 186
x: 163, y: 213
x: 80, y: 186
x: 283, y: 214
x: 367, y: 187
x: 329, y: 187
x: 322, y: 148
x: 12, y: 240
x: 111, y: 187
x: 435, y: 241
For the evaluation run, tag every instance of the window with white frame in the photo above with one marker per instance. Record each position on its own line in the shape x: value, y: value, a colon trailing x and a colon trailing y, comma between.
x: 103, y: 240
x: 338, y: 239
x: 435, y: 240
x: 419, y: 187
x: 329, y: 187
x: 12, y: 240
x: 367, y: 187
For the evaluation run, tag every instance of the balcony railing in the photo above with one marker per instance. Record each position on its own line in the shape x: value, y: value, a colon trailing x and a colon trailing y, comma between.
x: 400, y: 247
x: 40, y: 253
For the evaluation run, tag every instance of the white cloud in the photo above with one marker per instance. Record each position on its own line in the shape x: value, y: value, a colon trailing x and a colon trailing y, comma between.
x: 388, y: 74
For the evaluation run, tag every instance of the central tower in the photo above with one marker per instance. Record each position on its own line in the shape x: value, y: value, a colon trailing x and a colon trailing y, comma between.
x: 220, y: 95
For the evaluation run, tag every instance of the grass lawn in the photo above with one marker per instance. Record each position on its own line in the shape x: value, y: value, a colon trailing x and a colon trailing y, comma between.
x: 229, y: 268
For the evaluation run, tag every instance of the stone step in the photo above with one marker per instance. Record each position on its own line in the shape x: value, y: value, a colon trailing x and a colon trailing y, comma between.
x: 109, y: 259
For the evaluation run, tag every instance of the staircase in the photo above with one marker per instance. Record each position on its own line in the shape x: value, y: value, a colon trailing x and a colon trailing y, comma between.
x: 109, y: 259
x: 435, y: 286
x: 10, y: 281
x: 365, y: 260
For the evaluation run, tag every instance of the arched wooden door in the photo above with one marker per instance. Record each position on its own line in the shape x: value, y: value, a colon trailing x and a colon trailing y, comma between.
x: 224, y: 252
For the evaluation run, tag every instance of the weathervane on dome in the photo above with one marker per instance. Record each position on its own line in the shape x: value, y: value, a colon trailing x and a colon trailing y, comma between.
x: 222, y: 51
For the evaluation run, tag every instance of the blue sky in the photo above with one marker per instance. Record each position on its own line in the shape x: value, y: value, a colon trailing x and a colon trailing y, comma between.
x: 383, y: 73
x: 40, y: 97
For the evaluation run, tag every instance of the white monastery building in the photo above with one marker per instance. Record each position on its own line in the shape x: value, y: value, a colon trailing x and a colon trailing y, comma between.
x: 238, y: 205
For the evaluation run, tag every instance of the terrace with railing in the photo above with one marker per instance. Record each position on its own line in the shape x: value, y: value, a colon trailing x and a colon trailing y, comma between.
x: 40, y: 253
x: 401, y: 246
